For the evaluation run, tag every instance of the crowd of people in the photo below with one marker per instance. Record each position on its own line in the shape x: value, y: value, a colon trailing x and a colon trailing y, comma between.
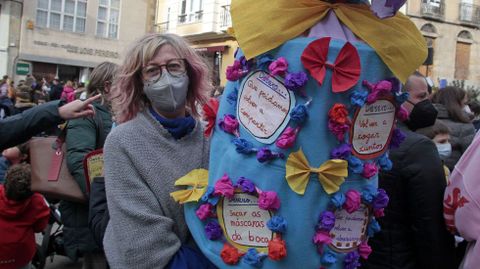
x: 145, y: 115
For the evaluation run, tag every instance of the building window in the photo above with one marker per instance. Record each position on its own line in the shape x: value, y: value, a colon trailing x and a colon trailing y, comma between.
x: 462, y: 55
x: 190, y: 11
x: 108, y: 18
x: 63, y: 15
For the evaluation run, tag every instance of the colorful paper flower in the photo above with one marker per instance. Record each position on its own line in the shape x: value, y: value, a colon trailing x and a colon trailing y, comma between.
x: 277, y: 249
x: 326, y: 221
x: 329, y: 257
x: 339, y: 130
x: 229, y: 124
x: 351, y: 260
x: 235, y: 71
x: 278, y: 67
x: 373, y: 227
x: 339, y: 114
x: 254, y: 258
x: 368, y: 194
x: 213, y: 230
x: 209, y: 197
x: 402, y: 97
x: 205, y: 211
x: 369, y: 170
x: 355, y: 165
x: 402, y: 114
x: 381, y: 200
x: 296, y: 81
x: 352, y: 201
x: 385, y: 163
x: 210, y: 115
x: 268, y: 200
x: 246, y: 185
x: 364, y: 250
x: 277, y: 224
x: 232, y: 97
x: 377, y: 90
x: 230, y: 255
x: 287, y: 139
x: 321, y: 238
x: 397, y: 138
x: 358, y: 98
x: 224, y: 187
x: 341, y: 152
x: 243, y: 146
x: 299, y: 114
x: 378, y: 213
x: 265, y: 154
x: 338, y: 199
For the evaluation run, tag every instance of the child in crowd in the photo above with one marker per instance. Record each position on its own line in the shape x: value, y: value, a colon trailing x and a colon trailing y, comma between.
x: 11, y: 156
x: 22, y: 214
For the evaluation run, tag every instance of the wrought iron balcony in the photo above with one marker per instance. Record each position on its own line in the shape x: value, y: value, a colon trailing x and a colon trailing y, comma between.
x: 225, y: 19
x: 469, y: 14
x: 161, y: 27
x: 433, y: 10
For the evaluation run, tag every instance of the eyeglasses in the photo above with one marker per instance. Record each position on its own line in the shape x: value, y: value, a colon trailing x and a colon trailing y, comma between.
x: 175, y: 67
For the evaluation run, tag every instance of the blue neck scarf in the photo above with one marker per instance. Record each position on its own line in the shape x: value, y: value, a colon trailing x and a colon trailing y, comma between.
x: 178, y: 128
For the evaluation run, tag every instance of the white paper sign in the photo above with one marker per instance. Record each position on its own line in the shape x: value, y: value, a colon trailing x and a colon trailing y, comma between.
x: 243, y: 222
x: 350, y: 229
x: 263, y: 106
x: 372, y: 129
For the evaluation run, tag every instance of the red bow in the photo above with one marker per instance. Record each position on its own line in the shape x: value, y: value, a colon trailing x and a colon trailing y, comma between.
x: 346, y: 69
x: 210, y: 114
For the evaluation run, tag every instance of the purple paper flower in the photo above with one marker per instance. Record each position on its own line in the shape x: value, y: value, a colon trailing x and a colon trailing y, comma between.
x: 397, y: 138
x: 224, y: 187
x: 265, y: 155
x: 369, y: 170
x: 326, y: 221
x: 352, y: 202
x: 229, y: 124
x: 246, y: 185
x: 278, y: 67
x: 377, y: 90
x: 341, y: 152
x: 287, y: 139
x: 339, y: 130
x: 204, y: 211
x: 295, y: 81
x: 268, y: 200
x: 235, y: 71
x: 351, y: 260
x: 299, y: 114
x: 381, y: 200
x: 277, y: 224
x: 213, y: 230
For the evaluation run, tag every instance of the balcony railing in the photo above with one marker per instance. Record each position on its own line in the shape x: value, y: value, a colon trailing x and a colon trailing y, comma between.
x: 191, y: 17
x: 161, y: 27
x: 225, y: 19
x: 469, y: 14
x: 433, y: 10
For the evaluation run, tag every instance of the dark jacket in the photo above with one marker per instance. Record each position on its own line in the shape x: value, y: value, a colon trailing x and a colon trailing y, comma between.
x: 461, y: 135
x: 55, y: 91
x: 413, y: 232
x: 19, y: 128
x: 98, y: 214
x: 81, y: 140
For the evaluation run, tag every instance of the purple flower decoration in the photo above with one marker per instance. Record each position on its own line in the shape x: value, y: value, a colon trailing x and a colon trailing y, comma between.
x: 204, y: 211
x: 338, y: 130
x: 351, y: 260
x: 341, y: 152
x: 265, y: 155
x: 295, y: 81
x: 246, y: 185
x: 229, y: 124
x: 381, y: 200
x: 369, y: 170
x: 326, y: 221
x: 397, y: 138
x: 377, y: 90
x: 213, y: 230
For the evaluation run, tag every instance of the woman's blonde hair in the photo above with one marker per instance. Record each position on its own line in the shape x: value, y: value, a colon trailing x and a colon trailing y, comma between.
x: 104, y: 72
x: 128, y: 97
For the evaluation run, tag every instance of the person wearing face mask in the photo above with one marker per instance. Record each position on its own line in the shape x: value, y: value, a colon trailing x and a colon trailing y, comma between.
x: 413, y: 232
x: 450, y: 103
x: 158, y: 140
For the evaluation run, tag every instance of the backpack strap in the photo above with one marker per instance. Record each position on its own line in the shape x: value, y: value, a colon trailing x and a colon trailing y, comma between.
x: 101, y: 137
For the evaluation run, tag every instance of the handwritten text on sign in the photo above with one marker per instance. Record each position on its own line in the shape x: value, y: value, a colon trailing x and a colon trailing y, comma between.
x: 243, y: 222
x: 264, y: 106
x: 372, y: 129
x: 350, y: 229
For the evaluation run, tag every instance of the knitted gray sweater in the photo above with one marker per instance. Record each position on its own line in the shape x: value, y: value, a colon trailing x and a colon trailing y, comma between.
x: 142, y: 162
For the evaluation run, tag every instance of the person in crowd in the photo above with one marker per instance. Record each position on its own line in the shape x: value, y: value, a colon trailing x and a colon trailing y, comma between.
x: 84, y: 136
x: 22, y: 214
x: 68, y: 93
x: 55, y: 90
x: 159, y: 139
x: 413, y: 232
x: 19, y: 128
x: 24, y: 99
x: 475, y: 108
x: 450, y: 103
x: 6, y: 103
x: 461, y: 204
x: 12, y: 156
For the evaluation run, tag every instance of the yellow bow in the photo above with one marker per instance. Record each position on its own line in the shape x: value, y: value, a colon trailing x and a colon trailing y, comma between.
x: 331, y: 174
x: 198, y: 180
x: 396, y: 40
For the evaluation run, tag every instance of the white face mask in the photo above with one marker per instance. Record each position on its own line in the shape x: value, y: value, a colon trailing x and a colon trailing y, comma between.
x: 466, y: 108
x: 444, y: 150
x: 169, y: 93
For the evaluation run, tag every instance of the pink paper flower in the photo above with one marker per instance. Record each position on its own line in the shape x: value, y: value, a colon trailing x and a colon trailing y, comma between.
x: 352, y: 202
x: 369, y: 170
x: 338, y: 130
x: 278, y: 67
x: 224, y: 187
x: 364, y: 250
x: 235, y: 71
x: 379, y: 212
x: 287, y: 139
x: 322, y: 237
x: 229, y: 124
x: 402, y: 114
x: 204, y: 211
x: 268, y: 200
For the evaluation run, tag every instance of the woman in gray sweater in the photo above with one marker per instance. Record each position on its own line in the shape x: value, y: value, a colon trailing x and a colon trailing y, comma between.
x: 159, y: 140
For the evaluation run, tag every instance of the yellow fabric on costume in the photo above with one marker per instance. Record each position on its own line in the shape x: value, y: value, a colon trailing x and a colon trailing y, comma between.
x: 198, y: 180
x: 331, y: 174
x: 264, y: 25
